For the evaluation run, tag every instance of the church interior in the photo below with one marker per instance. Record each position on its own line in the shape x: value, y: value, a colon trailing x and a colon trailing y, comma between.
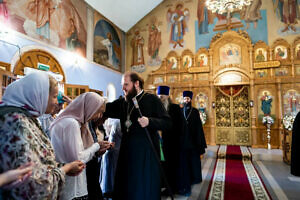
x: 241, y: 60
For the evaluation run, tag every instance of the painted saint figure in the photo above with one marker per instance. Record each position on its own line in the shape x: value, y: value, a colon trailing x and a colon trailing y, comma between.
x: 260, y: 56
x: 266, y: 104
x: 187, y: 62
x: 43, y: 10
x: 201, y: 61
x: 108, y: 44
x: 288, y: 10
x: 137, y: 44
x: 111, y: 48
x: 172, y: 63
x: 205, y: 17
x: 72, y: 41
x: 280, y: 54
x: 251, y: 13
x: 3, y: 11
x: 293, y: 101
x: 177, y: 19
x: 154, y: 40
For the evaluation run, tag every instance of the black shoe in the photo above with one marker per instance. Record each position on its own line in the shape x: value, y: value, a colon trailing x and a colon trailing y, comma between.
x: 108, y: 195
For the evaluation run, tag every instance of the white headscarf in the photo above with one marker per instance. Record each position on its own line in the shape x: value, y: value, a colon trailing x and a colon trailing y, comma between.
x: 30, y: 93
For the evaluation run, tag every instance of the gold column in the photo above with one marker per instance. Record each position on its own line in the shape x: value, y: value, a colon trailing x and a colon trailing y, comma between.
x: 212, y: 99
x: 253, y: 109
x: 271, y: 58
x: 292, y: 60
x: 212, y: 115
x: 278, y: 85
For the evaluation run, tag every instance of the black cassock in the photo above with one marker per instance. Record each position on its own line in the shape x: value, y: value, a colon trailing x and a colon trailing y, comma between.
x: 295, y: 161
x: 93, y: 172
x: 173, y: 141
x: 137, y: 173
x: 195, y: 144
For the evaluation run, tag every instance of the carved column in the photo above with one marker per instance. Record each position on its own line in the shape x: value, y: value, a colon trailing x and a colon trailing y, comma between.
x: 292, y: 60
x: 212, y: 115
x: 278, y: 85
x: 212, y: 99
x: 271, y: 58
x: 271, y: 54
x: 253, y: 112
x: 252, y: 97
x: 210, y: 53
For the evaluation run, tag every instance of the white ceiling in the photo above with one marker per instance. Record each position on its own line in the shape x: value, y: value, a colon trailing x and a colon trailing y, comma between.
x: 124, y: 13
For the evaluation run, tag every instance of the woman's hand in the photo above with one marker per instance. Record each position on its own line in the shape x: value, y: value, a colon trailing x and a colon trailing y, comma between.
x: 74, y: 168
x: 112, y: 145
x: 16, y: 177
x: 104, y: 145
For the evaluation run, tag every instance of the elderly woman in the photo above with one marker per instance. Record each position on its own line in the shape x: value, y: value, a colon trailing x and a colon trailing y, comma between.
x: 72, y: 139
x: 46, y: 119
x: 22, y: 139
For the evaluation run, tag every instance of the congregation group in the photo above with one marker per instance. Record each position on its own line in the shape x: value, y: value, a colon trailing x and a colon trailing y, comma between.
x: 138, y: 147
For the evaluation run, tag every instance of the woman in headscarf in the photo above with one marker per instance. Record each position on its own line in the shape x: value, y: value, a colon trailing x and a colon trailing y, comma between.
x: 23, y: 141
x: 72, y: 139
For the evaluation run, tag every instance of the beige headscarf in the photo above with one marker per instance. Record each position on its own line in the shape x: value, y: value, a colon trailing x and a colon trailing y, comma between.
x: 82, y: 109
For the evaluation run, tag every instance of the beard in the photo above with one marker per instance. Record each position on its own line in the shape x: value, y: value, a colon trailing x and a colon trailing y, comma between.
x: 188, y: 105
x: 131, y: 93
x: 166, y: 104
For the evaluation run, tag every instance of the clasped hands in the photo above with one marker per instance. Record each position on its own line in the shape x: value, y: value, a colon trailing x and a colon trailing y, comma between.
x: 75, y: 168
x: 105, y: 145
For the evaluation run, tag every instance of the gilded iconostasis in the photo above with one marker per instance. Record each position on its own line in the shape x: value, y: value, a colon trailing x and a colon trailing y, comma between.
x: 188, y: 24
x: 244, y: 72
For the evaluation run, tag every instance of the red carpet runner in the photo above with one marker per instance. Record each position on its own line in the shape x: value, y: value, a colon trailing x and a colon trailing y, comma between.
x: 235, y: 177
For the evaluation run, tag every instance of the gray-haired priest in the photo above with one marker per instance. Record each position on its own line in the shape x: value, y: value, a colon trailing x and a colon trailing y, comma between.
x: 174, y: 141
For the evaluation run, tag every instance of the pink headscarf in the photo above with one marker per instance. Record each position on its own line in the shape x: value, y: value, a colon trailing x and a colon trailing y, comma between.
x: 82, y: 109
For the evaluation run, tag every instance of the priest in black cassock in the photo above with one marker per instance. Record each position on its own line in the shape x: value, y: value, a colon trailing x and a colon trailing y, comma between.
x: 295, y: 154
x: 137, y: 173
x: 173, y: 141
x: 196, y: 140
